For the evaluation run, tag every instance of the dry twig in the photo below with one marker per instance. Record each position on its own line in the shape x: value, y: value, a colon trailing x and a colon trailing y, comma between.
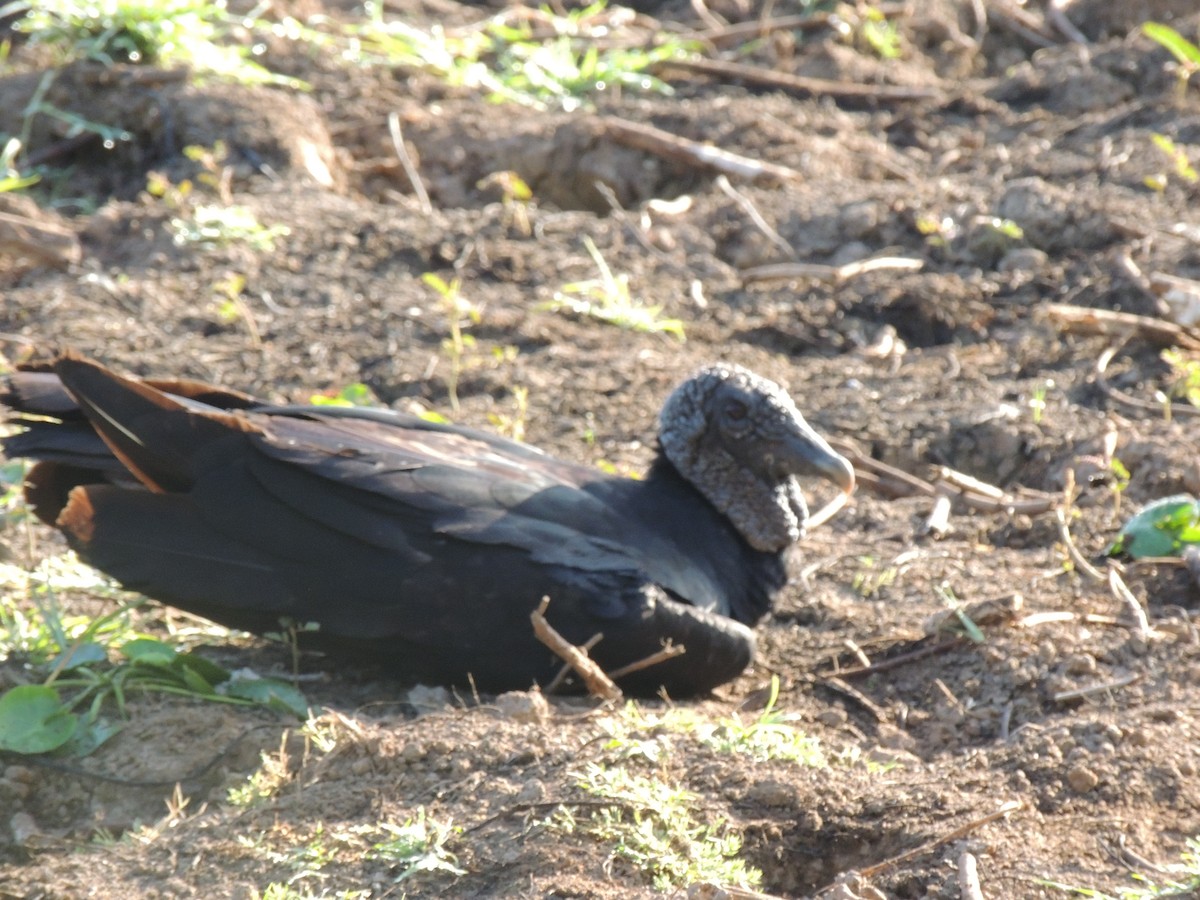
x: 1064, y: 535
x: 1122, y: 592
x: 693, y: 153
x: 1100, y: 688
x: 798, y: 84
x: 960, y: 832
x: 829, y: 274
x: 670, y: 651
x: 406, y: 160
x: 593, y: 676
x: 1085, y: 320
x: 752, y: 213
x: 968, y: 877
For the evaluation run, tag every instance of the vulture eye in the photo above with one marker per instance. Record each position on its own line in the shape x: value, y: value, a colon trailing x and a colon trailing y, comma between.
x: 735, y: 410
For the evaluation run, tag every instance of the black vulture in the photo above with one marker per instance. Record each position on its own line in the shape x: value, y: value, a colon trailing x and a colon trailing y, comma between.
x: 424, y: 546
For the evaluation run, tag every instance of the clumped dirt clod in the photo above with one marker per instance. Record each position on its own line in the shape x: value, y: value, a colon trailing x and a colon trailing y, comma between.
x: 1013, y: 168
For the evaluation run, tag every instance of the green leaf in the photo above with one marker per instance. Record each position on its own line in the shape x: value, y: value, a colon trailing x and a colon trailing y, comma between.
x: 277, y: 695
x: 147, y: 651
x: 1160, y: 528
x: 84, y: 654
x: 1171, y: 40
x: 202, y: 668
x: 88, y: 736
x: 33, y: 720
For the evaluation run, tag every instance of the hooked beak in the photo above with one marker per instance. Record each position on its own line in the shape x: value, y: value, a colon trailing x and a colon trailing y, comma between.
x: 807, y: 453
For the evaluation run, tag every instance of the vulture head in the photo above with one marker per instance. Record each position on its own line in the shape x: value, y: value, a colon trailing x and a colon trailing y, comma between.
x: 741, y: 442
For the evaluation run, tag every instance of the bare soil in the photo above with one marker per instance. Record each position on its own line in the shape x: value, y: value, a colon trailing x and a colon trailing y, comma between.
x: 1086, y: 731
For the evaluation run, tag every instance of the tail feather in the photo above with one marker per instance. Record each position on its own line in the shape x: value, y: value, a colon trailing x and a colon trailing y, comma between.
x: 156, y: 437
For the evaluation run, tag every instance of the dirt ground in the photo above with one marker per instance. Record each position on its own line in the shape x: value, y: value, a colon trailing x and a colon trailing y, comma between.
x: 1063, y: 747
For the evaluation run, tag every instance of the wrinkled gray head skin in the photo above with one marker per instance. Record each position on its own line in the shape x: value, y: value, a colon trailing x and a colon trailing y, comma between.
x: 739, y: 439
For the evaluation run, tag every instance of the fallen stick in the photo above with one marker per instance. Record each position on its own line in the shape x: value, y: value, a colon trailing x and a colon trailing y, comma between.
x: 974, y: 494
x: 1100, y: 688
x: 693, y: 153
x: 930, y: 846
x: 829, y: 274
x: 1122, y: 592
x: 798, y: 84
x: 896, y: 661
x: 1165, y: 408
x: 670, y: 651
x: 593, y: 676
x: 406, y: 160
x: 752, y: 213
x: 1064, y: 534
x: 565, y: 670
x: 968, y: 877
x: 47, y: 243
x: 1085, y: 320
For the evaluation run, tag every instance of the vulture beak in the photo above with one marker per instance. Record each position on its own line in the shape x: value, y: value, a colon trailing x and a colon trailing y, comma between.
x: 807, y: 453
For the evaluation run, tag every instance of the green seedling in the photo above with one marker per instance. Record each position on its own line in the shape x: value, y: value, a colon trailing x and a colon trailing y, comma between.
x: 653, y: 826
x: 1187, y: 54
x: 1180, y: 163
x: 91, y: 663
x: 563, y: 64
x: 198, y: 34
x: 211, y: 227
x: 513, y: 425
x: 870, y: 579
x: 459, y: 342
x: 11, y: 178
x: 608, y: 299
x: 881, y: 35
x: 515, y: 195
x: 1162, y: 528
x: 418, y: 846
x: 354, y: 394
x: 1183, y: 881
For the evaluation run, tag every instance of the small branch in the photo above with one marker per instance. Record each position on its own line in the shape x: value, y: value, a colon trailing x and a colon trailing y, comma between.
x: 968, y: 877
x: 1102, y: 687
x: 669, y: 651
x: 974, y: 494
x: 1057, y: 15
x: 937, y: 523
x: 593, y: 676
x: 1166, y: 408
x: 1125, y: 595
x: 896, y: 662
x: 798, y: 84
x: 754, y: 215
x: 565, y: 669
x: 829, y: 274
x: 1064, y: 534
x: 1085, y: 320
x: 410, y: 168
x: 841, y: 687
x: 693, y: 153
x: 42, y: 241
x: 930, y: 846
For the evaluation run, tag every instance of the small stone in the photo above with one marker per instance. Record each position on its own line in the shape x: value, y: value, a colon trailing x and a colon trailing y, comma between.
x: 770, y: 792
x: 412, y: 753
x: 1080, y: 664
x: 23, y: 828
x: 524, y: 706
x: 833, y: 717
x: 1022, y: 259
x: 1082, y: 779
x: 424, y: 698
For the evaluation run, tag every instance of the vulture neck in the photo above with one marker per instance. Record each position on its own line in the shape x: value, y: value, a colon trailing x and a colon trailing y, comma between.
x: 746, y: 578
